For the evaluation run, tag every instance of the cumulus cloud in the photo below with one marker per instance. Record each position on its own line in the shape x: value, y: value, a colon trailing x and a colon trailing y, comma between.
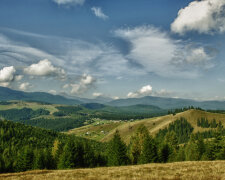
x: 157, y: 52
x: 204, y: 16
x: 52, y: 91
x: 24, y: 86
x: 69, y: 2
x: 7, y: 75
x: 144, y: 91
x: 96, y: 94
x: 85, y: 83
x: 44, y: 68
x: 99, y: 13
x: 19, y: 77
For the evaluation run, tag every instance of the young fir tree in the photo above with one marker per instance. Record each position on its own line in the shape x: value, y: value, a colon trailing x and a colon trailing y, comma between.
x: 39, y: 160
x: 25, y: 159
x: 117, y: 151
x: 164, y: 153
x: 191, y: 151
x: 137, y: 144
x: 72, y: 155
x: 172, y: 140
x: 149, y: 151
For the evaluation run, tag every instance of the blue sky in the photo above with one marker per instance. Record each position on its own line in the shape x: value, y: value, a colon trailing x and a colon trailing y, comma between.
x: 117, y: 49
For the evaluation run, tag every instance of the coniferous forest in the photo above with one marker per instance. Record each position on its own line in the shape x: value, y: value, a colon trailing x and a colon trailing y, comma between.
x: 25, y: 148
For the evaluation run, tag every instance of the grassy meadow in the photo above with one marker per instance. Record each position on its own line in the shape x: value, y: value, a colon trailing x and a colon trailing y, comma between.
x: 192, y: 170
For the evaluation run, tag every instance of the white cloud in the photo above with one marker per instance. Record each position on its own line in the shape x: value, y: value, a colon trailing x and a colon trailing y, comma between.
x: 157, y: 52
x: 204, y: 16
x: 44, y: 68
x: 69, y: 2
x: 96, y: 94
x: 52, y: 91
x: 197, y: 56
x: 144, y: 91
x: 5, y: 84
x: 85, y: 83
x: 116, y: 97
x: 19, y: 77
x: 24, y: 86
x: 99, y: 13
x: 7, y: 74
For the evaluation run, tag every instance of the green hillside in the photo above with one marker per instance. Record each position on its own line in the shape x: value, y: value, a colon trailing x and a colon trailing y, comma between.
x: 104, y: 130
x: 65, y: 117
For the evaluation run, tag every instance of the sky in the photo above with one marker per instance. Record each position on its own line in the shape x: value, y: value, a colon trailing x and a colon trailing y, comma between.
x: 116, y: 49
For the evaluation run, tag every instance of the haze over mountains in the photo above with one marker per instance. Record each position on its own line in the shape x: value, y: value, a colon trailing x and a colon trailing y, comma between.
x: 7, y: 94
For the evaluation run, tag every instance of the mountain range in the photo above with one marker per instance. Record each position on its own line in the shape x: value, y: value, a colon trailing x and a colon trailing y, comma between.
x: 7, y: 94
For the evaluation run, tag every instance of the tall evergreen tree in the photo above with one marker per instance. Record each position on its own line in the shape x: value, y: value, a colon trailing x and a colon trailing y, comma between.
x: 149, y: 152
x: 72, y: 155
x: 117, y: 151
x: 137, y: 144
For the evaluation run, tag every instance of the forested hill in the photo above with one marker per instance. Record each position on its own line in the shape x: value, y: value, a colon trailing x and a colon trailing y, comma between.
x: 25, y: 147
x: 28, y: 148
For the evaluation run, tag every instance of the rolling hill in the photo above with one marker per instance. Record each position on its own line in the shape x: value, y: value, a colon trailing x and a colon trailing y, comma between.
x: 104, y: 130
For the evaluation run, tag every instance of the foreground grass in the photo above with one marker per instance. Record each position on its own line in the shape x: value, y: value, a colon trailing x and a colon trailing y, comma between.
x: 207, y: 170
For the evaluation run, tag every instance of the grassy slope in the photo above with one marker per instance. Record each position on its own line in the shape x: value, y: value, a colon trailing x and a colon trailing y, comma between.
x: 153, y: 124
x: 32, y: 105
x: 206, y: 170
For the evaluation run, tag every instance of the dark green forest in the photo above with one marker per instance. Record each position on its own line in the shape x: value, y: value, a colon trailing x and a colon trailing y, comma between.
x: 25, y: 147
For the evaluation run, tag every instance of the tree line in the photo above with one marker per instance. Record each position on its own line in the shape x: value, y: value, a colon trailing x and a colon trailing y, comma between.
x: 26, y: 148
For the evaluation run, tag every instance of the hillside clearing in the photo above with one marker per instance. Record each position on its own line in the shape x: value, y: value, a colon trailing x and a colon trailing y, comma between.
x: 207, y: 170
x: 127, y: 129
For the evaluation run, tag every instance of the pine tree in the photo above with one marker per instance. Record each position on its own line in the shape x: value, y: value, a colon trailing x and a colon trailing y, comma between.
x: 149, y: 152
x: 72, y: 155
x: 25, y: 159
x: 164, y: 152
x: 39, y: 160
x: 117, y: 151
x: 137, y: 143
x: 191, y: 151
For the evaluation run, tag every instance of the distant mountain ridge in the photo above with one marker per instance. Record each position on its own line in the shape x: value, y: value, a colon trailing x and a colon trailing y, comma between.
x: 7, y: 94
x: 168, y: 103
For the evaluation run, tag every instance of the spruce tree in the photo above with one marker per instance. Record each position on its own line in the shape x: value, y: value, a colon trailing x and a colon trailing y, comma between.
x: 137, y: 143
x: 164, y: 152
x: 117, y: 151
x: 149, y: 152
x: 72, y: 155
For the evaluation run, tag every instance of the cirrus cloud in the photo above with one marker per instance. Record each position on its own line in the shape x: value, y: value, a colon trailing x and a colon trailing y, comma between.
x: 69, y: 2
x: 163, y: 55
x: 99, y: 13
